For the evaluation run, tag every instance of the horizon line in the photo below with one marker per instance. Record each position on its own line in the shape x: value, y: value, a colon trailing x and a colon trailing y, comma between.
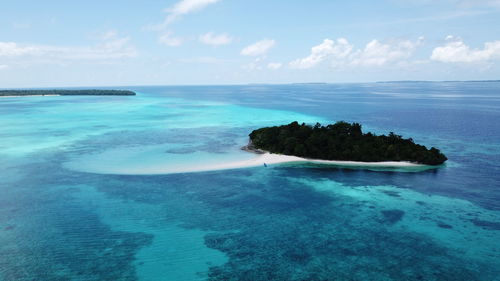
x: 250, y: 84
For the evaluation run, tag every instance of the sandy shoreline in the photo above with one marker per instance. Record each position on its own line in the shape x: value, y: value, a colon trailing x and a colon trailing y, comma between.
x: 273, y: 159
x: 205, y: 163
x: 270, y: 159
x: 257, y: 161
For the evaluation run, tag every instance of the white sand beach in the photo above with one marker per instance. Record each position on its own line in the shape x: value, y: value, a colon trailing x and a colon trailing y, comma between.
x: 272, y: 159
x: 269, y: 158
x: 118, y: 162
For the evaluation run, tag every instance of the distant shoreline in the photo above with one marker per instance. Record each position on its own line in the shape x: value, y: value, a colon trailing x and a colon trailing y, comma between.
x: 439, y: 81
x: 29, y: 96
x: 61, y: 92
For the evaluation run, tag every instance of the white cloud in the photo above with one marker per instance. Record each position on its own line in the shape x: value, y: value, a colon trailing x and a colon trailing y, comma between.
x: 203, y: 60
x: 182, y: 8
x: 470, y: 3
x: 3, y: 66
x: 376, y: 53
x: 21, y: 25
x: 215, y: 40
x: 274, y: 65
x: 341, y: 53
x: 259, y: 63
x: 458, y: 3
x: 174, y: 13
x: 188, y: 6
x: 329, y: 49
x: 168, y: 40
x: 11, y: 49
x: 109, y: 49
x: 110, y: 34
x: 258, y: 48
x: 256, y: 64
x: 457, y: 51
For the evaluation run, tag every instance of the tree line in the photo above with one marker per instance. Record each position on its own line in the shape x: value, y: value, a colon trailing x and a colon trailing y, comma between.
x: 60, y: 92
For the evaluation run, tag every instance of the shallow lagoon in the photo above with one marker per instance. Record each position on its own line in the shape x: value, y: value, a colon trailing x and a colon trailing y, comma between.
x: 65, y: 216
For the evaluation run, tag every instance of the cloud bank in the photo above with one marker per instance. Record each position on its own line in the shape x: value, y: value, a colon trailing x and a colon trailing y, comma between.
x: 329, y: 49
x: 456, y: 51
x: 111, y: 48
x: 341, y: 53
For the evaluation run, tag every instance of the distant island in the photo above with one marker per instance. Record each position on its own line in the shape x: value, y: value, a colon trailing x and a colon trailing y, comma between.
x: 341, y: 141
x: 90, y: 92
x: 438, y: 81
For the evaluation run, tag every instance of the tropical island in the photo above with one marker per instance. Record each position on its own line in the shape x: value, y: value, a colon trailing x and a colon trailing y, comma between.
x: 60, y: 92
x: 341, y: 141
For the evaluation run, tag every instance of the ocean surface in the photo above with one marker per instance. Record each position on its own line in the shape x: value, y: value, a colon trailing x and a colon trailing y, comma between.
x: 80, y: 198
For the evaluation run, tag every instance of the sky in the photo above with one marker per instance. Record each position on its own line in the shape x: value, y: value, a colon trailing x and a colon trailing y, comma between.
x: 203, y: 42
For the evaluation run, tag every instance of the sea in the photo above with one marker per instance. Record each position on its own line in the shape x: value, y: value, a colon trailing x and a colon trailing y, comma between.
x: 85, y: 192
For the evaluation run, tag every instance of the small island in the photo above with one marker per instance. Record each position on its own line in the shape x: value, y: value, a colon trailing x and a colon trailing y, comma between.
x: 341, y: 141
x: 60, y: 92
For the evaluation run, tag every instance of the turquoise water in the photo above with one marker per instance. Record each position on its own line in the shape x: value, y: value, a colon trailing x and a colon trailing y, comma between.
x: 77, y: 204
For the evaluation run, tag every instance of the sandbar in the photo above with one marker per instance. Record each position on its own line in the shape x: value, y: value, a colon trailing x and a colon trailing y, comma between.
x: 262, y: 159
x: 270, y: 159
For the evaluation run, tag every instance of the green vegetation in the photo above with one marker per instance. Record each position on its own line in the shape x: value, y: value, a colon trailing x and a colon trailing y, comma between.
x: 341, y: 141
x: 91, y: 92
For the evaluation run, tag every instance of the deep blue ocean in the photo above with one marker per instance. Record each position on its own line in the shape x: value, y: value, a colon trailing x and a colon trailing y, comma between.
x: 81, y: 196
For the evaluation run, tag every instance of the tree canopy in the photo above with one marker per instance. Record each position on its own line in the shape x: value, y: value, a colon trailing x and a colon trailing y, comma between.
x: 342, y: 141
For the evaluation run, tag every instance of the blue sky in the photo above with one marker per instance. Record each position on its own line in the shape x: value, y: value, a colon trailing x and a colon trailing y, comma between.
x: 184, y: 42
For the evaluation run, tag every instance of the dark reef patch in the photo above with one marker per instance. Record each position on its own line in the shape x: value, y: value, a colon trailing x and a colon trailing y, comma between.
x: 391, y: 193
x: 271, y: 227
x: 488, y: 225
x: 444, y: 225
x: 58, y: 237
x: 392, y: 216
